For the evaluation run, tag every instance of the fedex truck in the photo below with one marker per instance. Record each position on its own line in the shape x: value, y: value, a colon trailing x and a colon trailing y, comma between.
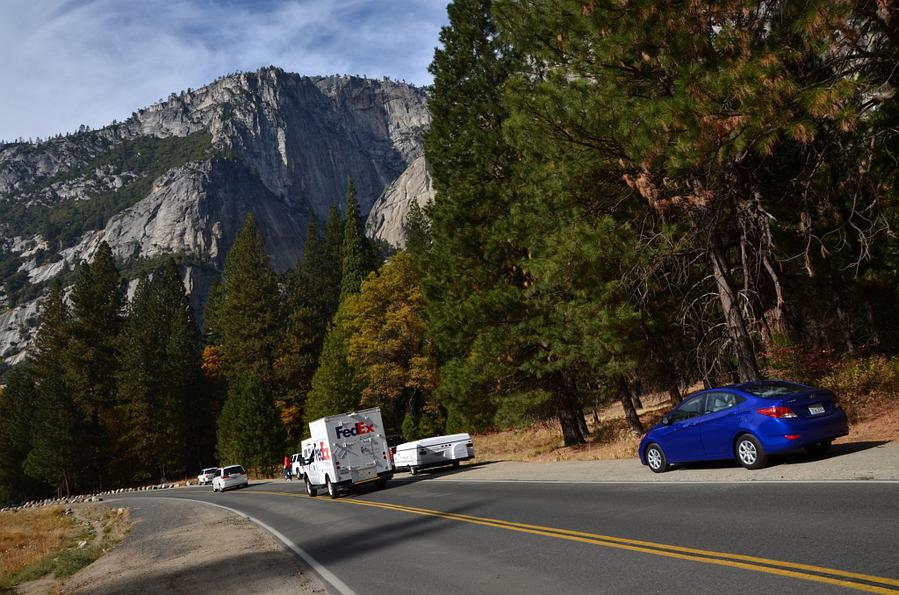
x: 344, y: 451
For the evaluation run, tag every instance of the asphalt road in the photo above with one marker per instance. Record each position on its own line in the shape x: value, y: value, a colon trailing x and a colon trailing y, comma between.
x: 456, y: 537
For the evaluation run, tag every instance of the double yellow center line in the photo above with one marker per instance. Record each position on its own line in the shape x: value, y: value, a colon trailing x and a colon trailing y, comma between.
x: 806, y: 572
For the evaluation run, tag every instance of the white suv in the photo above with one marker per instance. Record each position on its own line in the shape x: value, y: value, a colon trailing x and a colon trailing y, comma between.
x: 206, y: 475
x: 232, y: 476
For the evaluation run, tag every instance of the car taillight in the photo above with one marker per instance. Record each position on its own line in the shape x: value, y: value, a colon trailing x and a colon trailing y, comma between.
x: 225, y: 476
x: 777, y: 411
x: 791, y: 436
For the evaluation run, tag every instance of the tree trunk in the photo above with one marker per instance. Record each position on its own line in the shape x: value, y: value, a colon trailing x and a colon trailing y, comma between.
x: 630, y: 412
x: 582, y: 421
x: 570, y: 415
x: 674, y: 394
x: 736, y: 326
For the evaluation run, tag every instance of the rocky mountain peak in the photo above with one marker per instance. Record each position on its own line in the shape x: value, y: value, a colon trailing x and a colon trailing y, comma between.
x: 179, y: 177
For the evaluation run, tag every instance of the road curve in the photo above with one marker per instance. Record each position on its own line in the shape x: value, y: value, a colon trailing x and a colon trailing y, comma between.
x: 457, y: 537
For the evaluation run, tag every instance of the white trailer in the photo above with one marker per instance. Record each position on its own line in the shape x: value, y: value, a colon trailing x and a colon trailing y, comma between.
x: 344, y: 451
x: 434, y: 452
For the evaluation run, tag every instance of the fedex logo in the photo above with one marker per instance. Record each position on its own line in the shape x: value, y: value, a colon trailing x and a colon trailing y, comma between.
x: 359, y: 428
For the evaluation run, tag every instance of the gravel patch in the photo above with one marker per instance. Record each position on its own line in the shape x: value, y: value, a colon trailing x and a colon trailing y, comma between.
x: 186, y: 547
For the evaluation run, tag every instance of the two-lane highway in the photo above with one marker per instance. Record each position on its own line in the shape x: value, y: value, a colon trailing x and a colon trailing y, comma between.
x: 465, y: 537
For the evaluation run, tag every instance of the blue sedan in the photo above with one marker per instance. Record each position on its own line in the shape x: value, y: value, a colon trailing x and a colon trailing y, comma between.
x: 747, y: 422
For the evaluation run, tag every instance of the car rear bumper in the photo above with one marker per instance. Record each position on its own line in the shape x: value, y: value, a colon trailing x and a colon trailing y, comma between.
x: 807, y: 431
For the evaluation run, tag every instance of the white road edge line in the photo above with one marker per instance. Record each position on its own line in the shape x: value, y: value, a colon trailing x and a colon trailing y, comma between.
x: 325, y: 574
x: 664, y: 483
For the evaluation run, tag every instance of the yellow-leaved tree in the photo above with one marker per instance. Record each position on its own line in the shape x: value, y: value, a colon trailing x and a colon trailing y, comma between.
x: 389, y: 347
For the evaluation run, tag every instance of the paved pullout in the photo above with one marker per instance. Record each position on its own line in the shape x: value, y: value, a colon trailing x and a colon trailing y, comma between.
x: 847, y: 461
x: 451, y: 536
x: 187, y: 547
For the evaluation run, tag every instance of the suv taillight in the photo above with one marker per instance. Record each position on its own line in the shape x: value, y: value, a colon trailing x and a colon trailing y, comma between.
x: 777, y: 411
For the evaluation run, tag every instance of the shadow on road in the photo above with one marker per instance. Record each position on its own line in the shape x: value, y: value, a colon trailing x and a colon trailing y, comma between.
x: 794, y: 457
x: 436, y: 472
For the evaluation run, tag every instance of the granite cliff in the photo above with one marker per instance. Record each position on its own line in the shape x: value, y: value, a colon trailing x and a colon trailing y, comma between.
x: 179, y: 177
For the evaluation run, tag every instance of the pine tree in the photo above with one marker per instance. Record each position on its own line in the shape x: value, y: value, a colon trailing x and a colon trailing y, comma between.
x: 308, y: 308
x: 246, y: 314
x: 335, y: 388
x: 61, y: 443
x: 92, y: 356
x: 249, y: 432
x: 159, y: 380
x: 333, y: 246
x: 357, y: 255
x: 17, y: 402
x: 417, y: 228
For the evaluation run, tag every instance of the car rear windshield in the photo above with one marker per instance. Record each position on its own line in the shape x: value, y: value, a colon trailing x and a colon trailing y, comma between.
x: 210, y: 470
x: 235, y: 469
x: 773, y: 390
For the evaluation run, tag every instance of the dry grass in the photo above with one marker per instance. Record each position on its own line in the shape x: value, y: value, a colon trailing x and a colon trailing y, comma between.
x: 29, y: 537
x: 45, y: 542
x: 611, y: 439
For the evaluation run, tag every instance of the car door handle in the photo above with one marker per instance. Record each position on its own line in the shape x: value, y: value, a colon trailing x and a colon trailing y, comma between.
x: 690, y: 425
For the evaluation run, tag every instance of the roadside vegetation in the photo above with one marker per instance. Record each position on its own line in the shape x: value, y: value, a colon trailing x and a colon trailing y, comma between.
x: 46, y: 542
x: 631, y: 199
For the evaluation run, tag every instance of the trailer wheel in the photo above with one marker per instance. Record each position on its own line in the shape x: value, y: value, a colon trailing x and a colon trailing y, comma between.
x: 332, y: 491
x: 310, y: 490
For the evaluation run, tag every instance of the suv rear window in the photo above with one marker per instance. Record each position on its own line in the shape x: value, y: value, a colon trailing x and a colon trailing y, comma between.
x: 773, y: 390
x: 235, y: 469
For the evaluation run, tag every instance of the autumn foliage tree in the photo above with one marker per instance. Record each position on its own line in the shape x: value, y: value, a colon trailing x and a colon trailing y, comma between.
x: 388, y: 343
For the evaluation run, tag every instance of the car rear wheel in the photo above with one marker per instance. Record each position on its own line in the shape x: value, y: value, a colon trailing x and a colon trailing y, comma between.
x: 750, y: 453
x: 332, y: 491
x: 655, y: 459
x: 818, y: 448
x: 311, y: 490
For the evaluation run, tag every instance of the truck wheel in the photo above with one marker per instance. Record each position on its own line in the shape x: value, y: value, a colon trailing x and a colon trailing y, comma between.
x: 381, y: 483
x: 456, y: 464
x: 332, y: 491
x: 413, y: 470
x: 310, y: 490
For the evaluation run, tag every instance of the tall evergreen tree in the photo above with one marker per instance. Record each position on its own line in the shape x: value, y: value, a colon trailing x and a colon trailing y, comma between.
x: 357, y: 254
x: 417, y: 228
x: 335, y: 388
x: 92, y: 354
x: 333, y: 247
x: 62, y: 444
x: 17, y: 402
x: 309, y: 302
x: 246, y: 315
x: 159, y: 380
x: 249, y: 432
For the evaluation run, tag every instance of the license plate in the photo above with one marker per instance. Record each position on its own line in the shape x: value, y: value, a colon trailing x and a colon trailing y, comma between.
x: 816, y: 409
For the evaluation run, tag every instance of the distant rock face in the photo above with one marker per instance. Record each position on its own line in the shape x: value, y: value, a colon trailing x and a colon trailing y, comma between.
x: 388, y: 214
x: 281, y: 146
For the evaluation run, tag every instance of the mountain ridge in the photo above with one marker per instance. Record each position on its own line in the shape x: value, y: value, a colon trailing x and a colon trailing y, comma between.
x: 179, y: 177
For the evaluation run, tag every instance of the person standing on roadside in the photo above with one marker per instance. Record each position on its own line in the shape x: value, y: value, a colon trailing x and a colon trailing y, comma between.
x: 287, y: 467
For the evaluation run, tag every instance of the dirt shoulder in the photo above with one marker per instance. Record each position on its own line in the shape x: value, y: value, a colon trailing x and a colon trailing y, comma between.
x: 184, y: 547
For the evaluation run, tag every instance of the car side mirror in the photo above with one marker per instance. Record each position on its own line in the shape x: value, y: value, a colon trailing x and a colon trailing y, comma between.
x: 665, y: 421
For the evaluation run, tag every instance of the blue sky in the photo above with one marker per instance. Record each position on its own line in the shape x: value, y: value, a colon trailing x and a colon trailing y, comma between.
x: 66, y: 63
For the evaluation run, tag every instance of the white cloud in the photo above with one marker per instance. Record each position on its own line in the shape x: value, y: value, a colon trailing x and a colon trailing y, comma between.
x: 92, y: 61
